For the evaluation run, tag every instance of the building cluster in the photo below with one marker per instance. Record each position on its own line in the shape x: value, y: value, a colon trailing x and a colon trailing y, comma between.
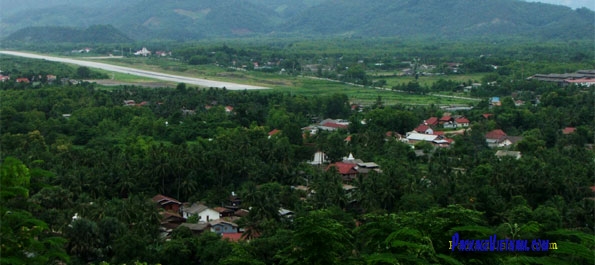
x: 582, y: 77
x: 199, y: 218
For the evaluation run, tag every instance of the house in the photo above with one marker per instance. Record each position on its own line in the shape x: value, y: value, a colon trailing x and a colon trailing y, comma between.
x: 347, y: 170
x: 234, y: 201
x: 129, y: 102
x: 447, y: 122
x: 170, y: 220
x: 273, y: 132
x: 232, y: 237
x: 205, y: 214
x: 487, y: 115
x: 366, y: 167
x: 425, y: 129
x: 568, y: 130
x: 495, y: 101
x: 228, y: 109
x: 415, y: 137
x: 51, y: 78
x: 350, y: 168
x: 432, y: 121
x: 23, y: 80
x: 224, y: 212
x: 503, y: 153
x: 4, y: 78
x: 223, y: 227
x: 167, y: 203
x: 241, y: 213
x: 462, y: 122
x: 197, y: 228
x: 497, y: 138
x: 327, y: 125
x: 143, y: 52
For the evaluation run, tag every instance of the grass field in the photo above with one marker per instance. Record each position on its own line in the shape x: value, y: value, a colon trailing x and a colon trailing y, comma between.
x: 427, y: 81
x: 298, y: 85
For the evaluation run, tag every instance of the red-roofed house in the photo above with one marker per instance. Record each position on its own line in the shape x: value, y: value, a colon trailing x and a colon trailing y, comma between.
x: 228, y: 109
x: 425, y: 129
x: 4, y: 78
x: 497, y: 138
x: 447, y: 122
x: 22, y: 80
x: 432, y: 121
x: 273, y: 132
x: 232, y: 237
x: 167, y: 203
x: 462, y: 122
x: 347, y: 170
x: 568, y: 130
x: 487, y: 115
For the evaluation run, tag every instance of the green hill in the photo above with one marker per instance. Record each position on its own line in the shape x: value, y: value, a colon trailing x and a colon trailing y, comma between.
x: 93, y: 34
x: 199, y: 19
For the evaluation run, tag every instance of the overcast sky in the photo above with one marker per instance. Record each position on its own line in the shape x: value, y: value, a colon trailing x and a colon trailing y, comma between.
x: 571, y: 3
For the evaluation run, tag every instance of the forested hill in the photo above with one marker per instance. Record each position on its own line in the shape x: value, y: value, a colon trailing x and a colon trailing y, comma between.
x: 93, y: 34
x: 191, y: 19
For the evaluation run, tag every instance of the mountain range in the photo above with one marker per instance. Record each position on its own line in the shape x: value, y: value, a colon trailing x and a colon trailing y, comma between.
x: 200, y: 19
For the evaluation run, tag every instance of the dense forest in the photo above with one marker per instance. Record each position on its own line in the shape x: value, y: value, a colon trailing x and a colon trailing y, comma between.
x: 81, y: 163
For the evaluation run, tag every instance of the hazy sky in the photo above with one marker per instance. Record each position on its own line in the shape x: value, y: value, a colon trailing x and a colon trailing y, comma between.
x: 571, y: 3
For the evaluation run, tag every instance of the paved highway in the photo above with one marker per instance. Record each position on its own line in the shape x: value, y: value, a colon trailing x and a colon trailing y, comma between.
x: 138, y: 72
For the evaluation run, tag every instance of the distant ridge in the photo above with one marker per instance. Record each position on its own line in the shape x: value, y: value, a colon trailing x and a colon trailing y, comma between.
x: 93, y: 34
x: 199, y: 19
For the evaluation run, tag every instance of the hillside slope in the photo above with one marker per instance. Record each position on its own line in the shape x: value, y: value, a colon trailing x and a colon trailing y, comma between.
x: 199, y: 19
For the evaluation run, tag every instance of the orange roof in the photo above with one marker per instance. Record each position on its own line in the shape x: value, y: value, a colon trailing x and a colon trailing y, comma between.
x: 568, y: 130
x: 462, y: 120
x: 495, y: 134
x: 273, y: 132
x: 233, y: 237
x: 343, y: 168
x: 445, y: 118
x: 422, y: 128
x: 432, y: 121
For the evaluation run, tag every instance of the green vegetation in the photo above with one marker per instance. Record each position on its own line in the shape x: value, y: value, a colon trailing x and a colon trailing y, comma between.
x: 429, y: 19
x: 80, y: 162
x: 93, y: 34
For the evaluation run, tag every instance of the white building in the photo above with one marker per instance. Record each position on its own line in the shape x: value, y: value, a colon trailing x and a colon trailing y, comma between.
x: 143, y: 52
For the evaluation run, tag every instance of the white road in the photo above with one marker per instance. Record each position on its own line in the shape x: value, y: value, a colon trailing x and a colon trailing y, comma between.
x: 138, y: 72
